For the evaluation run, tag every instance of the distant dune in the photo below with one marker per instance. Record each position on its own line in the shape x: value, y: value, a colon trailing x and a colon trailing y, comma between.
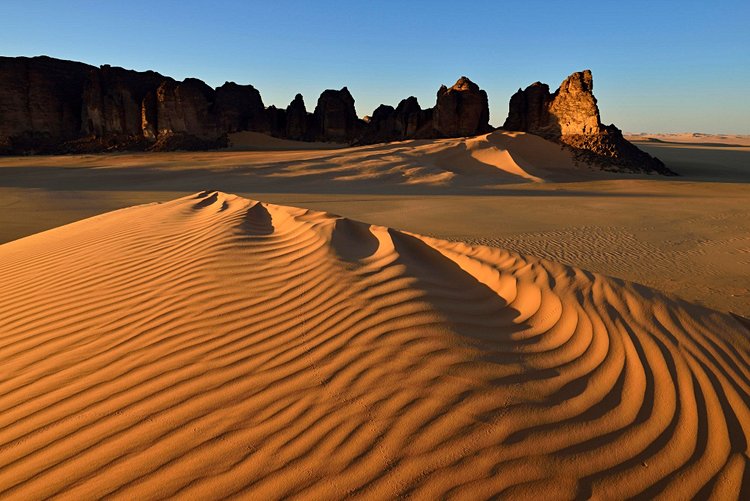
x: 214, y: 346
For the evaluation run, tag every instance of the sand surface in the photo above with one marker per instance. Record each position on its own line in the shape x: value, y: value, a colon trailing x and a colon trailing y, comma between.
x: 692, y: 138
x: 688, y: 235
x: 214, y: 346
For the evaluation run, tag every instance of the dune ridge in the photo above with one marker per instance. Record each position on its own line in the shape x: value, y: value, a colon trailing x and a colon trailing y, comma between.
x: 214, y: 346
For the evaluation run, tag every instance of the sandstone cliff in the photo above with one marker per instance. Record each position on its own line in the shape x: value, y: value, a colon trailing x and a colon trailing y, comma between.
x: 407, y: 121
x: 40, y: 102
x: 297, y: 120
x: 461, y: 110
x: 112, y: 108
x: 53, y: 106
x: 335, y: 118
x: 571, y: 116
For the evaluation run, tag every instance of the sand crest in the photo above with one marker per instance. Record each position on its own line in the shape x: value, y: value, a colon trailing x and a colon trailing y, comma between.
x: 214, y: 346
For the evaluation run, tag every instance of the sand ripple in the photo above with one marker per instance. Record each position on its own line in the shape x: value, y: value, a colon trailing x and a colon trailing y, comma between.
x: 215, y: 346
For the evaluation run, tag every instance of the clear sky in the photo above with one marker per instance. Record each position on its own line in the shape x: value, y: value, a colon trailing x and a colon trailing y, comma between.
x: 658, y: 66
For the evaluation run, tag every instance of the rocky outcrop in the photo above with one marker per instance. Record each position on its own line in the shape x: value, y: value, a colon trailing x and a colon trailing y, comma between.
x: 185, y: 108
x: 112, y: 110
x: 40, y: 102
x: 412, y: 121
x: 297, y: 120
x: 240, y: 107
x: 461, y: 110
x: 276, y: 121
x: 335, y: 118
x: 570, y: 116
x: 407, y: 121
x: 54, y: 106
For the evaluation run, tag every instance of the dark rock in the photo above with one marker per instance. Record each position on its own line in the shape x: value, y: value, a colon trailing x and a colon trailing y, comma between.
x: 149, y: 115
x: 335, y: 118
x: 570, y: 116
x: 186, y: 108
x: 528, y: 109
x: 112, y: 102
x: 172, y: 141
x: 412, y: 120
x: 407, y: 121
x: 462, y: 110
x: 298, y: 120
x: 240, y: 107
x: 40, y: 102
x: 277, y: 121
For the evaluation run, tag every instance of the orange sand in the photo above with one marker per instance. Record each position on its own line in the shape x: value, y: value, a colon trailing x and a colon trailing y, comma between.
x: 213, y: 346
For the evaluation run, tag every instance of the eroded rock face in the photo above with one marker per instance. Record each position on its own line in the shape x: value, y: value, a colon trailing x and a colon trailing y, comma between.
x: 461, y: 110
x: 50, y: 105
x: 529, y: 109
x: 277, y: 121
x: 112, y: 100
x: 54, y: 106
x: 412, y: 120
x: 335, y: 118
x: 297, y: 119
x: 40, y: 102
x: 407, y: 121
x: 240, y: 107
x: 112, y: 109
x: 571, y: 116
x: 185, y: 107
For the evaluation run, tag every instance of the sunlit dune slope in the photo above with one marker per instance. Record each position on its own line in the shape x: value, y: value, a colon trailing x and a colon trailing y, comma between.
x: 495, y: 158
x: 215, y: 346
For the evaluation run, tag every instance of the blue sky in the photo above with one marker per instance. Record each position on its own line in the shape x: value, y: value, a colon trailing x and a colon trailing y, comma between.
x: 657, y: 66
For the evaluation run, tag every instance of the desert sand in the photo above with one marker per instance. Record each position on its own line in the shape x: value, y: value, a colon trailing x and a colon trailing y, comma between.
x: 215, y: 346
x: 686, y: 235
x: 692, y: 138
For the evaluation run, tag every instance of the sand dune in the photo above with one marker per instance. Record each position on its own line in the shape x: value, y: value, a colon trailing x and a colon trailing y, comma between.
x: 214, y: 346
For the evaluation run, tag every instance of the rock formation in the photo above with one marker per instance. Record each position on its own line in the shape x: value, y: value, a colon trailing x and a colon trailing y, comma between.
x: 53, y: 106
x: 335, y: 118
x: 462, y: 110
x: 40, y: 102
x: 297, y: 119
x: 407, y: 121
x: 240, y: 107
x: 112, y: 110
x: 276, y: 121
x: 571, y: 116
